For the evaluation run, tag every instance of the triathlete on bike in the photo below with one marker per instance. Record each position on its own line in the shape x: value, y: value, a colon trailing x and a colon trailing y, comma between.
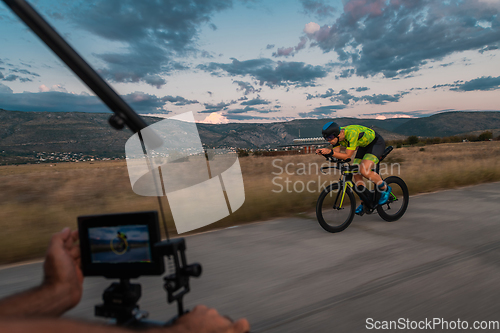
x: 370, y: 146
x: 123, y: 241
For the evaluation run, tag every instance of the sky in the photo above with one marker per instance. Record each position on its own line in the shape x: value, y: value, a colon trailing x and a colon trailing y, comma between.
x: 261, y: 61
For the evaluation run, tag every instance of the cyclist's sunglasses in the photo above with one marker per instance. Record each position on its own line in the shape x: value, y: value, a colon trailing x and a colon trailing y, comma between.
x: 331, y: 137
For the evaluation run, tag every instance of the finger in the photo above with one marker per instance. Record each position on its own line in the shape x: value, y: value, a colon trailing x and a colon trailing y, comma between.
x: 75, y: 252
x: 66, y: 237
x: 71, y: 239
x: 58, y: 239
x: 65, y: 233
x: 74, y: 235
x: 200, y: 308
x: 241, y: 326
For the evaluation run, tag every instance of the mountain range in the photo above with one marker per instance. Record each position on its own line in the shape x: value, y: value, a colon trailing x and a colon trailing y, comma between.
x: 28, y: 133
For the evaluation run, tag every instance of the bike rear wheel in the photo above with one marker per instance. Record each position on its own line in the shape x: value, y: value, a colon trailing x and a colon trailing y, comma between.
x: 335, y: 209
x: 395, y: 208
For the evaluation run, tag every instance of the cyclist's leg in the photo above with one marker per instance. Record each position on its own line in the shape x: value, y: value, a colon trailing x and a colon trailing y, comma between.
x: 357, y: 177
x: 371, y: 156
x: 366, y: 168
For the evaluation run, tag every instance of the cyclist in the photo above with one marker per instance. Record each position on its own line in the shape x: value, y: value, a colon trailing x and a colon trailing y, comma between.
x: 123, y: 241
x: 370, y: 146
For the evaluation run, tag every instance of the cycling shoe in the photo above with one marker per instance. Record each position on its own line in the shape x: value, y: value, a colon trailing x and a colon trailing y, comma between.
x: 384, y: 196
x: 359, y: 210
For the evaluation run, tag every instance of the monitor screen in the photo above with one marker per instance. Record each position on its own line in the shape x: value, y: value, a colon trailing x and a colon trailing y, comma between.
x: 120, y: 244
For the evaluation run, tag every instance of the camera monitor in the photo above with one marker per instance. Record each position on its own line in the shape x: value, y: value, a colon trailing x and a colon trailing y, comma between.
x: 120, y: 245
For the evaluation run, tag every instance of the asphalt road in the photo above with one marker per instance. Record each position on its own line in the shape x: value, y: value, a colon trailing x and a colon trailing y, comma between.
x: 441, y: 260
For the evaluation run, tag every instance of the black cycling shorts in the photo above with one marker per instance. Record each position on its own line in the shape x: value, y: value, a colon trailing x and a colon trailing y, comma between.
x: 372, y: 152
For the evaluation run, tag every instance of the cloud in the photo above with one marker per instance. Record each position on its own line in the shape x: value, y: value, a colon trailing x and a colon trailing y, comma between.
x: 311, y: 27
x: 245, y: 110
x: 321, y: 111
x: 56, y: 87
x: 488, y: 48
x: 209, y: 108
x: 24, y: 71
x: 247, y: 87
x: 318, y: 8
x: 482, y: 83
x: 269, y: 46
x: 58, y: 101
x: 215, y: 118
x: 267, y: 111
x: 13, y: 77
x: 382, y: 99
x: 268, y: 72
x: 178, y: 100
x: 255, y: 101
x: 359, y: 89
x: 329, y: 93
x: 398, y: 37
x: 285, y: 52
x: 154, y: 32
x: 346, y: 98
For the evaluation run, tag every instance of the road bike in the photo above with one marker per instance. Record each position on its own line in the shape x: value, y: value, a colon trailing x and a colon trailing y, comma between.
x: 336, y: 204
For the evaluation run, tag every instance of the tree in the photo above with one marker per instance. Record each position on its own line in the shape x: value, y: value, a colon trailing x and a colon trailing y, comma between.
x: 485, y: 136
x: 412, y: 140
x: 242, y: 153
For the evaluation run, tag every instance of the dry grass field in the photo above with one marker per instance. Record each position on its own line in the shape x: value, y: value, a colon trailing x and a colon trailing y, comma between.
x: 38, y: 200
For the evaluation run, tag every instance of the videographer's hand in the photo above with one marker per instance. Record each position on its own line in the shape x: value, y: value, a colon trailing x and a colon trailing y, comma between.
x: 62, y: 270
x: 205, y: 320
x: 62, y: 284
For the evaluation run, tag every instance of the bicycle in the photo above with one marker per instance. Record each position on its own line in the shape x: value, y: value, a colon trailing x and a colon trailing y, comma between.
x: 336, y: 204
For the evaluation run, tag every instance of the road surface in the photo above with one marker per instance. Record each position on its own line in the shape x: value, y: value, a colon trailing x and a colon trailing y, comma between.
x: 441, y: 260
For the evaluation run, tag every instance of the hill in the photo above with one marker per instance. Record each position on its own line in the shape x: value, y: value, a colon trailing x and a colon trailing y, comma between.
x: 450, y: 123
x: 30, y: 136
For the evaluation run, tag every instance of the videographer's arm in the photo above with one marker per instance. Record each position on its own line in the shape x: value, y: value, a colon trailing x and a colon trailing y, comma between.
x: 62, y: 285
x: 200, y: 320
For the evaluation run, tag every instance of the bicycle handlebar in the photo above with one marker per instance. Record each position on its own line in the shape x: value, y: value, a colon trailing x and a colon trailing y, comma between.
x: 340, y: 164
x: 335, y: 160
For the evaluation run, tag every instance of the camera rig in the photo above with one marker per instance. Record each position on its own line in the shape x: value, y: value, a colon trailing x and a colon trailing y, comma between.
x: 120, y: 298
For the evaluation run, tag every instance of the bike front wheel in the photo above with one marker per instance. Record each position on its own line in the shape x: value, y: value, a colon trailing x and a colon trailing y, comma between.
x: 335, y: 208
x: 395, y: 208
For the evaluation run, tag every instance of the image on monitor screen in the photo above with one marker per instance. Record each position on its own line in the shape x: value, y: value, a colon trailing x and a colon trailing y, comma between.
x: 120, y: 244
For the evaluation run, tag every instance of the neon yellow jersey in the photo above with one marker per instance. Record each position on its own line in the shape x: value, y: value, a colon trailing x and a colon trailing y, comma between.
x: 357, y: 136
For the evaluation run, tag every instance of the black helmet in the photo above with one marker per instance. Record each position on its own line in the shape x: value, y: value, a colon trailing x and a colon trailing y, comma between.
x: 331, y: 129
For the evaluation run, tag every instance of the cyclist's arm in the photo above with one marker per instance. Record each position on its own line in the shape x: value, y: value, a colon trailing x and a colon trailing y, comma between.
x: 327, y: 151
x: 343, y: 156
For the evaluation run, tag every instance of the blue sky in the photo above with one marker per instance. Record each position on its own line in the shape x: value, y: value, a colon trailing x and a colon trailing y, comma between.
x: 261, y: 61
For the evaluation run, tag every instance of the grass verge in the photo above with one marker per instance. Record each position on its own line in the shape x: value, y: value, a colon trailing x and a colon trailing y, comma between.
x: 38, y: 200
